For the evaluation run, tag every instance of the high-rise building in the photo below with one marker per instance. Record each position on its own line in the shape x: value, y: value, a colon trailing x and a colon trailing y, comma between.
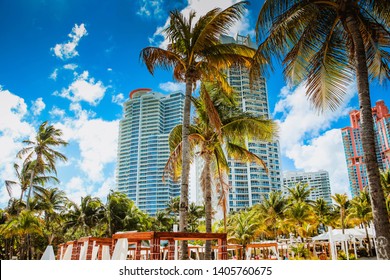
x: 249, y: 181
x: 353, y: 148
x: 143, y: 147
x: 317, y: 181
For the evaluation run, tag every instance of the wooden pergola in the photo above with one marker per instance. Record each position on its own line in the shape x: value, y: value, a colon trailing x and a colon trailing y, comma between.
x: 97, y: 241
x: 155, y: 238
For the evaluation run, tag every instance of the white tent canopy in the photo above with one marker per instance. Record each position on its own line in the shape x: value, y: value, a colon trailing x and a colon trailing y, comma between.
x: 349, y: 234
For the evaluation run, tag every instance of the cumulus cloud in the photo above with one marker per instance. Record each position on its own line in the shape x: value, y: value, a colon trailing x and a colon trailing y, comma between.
x: 171, y: 86
x: 96, y: 140
x: 57, y: 112
x: 306, y: 137
x: 38, y: 106
x: 54, y: 75
x: 13, y: 130
x: 201, y: 7
x: 68, y: 50
x: 70, y: 66
x: 118, y: 99
x: 85, y: 89
x: 150, y: 8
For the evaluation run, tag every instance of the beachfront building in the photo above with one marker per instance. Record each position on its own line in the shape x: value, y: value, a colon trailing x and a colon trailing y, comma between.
x: 318, y: 182
x: 143, y: 148
x: 249, y: 181
x: 353, y: 148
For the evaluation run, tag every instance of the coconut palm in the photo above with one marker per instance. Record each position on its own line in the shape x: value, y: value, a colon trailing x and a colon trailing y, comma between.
x: 22, y: 226
x: 52, y: 203
x: 84, y: 217
x: 322, y: 210
x: 342, y: 204
x: 235, y: 127
x: 115, y: 211
x: 272, y: 208
x: 194, y: 53
x: 327, y: 44
x: 385, y: 182
x: 299, y: 193
x: 41, y: 152
x: 23, y: 179
x: 297, y: 215
x: 242, y: 228
x: 361, y: 211
x: 162, y: 221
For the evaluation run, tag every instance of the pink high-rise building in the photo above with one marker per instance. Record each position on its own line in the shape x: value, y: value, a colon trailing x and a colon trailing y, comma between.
x: 354, y: 150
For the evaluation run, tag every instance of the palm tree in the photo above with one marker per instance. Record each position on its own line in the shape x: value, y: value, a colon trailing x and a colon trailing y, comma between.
x: 342, y: 204
x: 84, y: 217
x: 24, y: 176
x: 242, y: 228
x: 194, y: 53
x: 115, y: 211
x: 234, y: 128
x: 162, y: 221
x: 299, y: 193
x: 322, y: 210
x: 22, y: 226
x: 173, y: 207
x: 385, y: 182
x: 327, y: 44
x: 195, y: 213
x: 52, y: 204
x: 43, y: 153
x: 361, y: 211
x: 272, y: 208
x: 297, y: 215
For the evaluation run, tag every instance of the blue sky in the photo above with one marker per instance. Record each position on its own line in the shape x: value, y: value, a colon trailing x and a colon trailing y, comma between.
x: 74, y: 63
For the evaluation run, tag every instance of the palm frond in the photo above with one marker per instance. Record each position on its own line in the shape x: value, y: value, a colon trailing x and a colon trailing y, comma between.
x: 156, y: 57
x: 242, y: 154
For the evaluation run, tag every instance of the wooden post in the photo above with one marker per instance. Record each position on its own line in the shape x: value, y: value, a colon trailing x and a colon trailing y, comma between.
x: 138, y: 251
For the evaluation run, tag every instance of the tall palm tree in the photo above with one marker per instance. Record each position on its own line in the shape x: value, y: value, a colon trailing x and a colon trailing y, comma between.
x: 41, y: 152
x: 194, y: 53
x: 342, y: 204
x: 234, y: 129
x: 297, y: 215
x: 23, y: 179
x: 115, y: 211
x: 361, y: 211
x: 327, y: 44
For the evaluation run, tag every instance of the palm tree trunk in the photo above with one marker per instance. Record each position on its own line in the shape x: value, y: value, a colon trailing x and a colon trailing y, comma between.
x: 29, y: 191
x: 206, y: 180
x: 381, y: 220
x: 368, y: 239
x: 183, y: 208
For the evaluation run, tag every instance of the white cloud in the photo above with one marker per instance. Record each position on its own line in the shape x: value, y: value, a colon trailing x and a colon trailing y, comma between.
x: 201, y: 7
x: 70, y: 66
x: 68, y: 50
x: 171, y: 86
x: 305, y: 137
x: 84, y: 89
x: 38, y: 106
x: 118, y: 99
x: 54, y: 75
x: 97, y: 141
x: 13, y: 129
x: 57, y: 112
x: 150, y: 8
x: 109, y: 69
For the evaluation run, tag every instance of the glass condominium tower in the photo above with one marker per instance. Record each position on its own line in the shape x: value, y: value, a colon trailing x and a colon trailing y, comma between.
x: 353, y: 148
x: 249, y: 181
x: 143, y: 147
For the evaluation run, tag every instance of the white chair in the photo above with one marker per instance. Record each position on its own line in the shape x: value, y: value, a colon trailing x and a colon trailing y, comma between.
x: 106, y: 253
x: 83, y: 251
x: 121, y: 249
x: 48, y: 255
x: 68, y: 253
